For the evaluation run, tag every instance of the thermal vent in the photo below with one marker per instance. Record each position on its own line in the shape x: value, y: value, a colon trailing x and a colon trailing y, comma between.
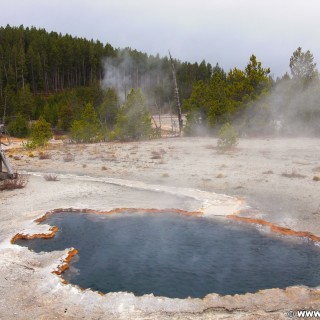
x: 176, y: 255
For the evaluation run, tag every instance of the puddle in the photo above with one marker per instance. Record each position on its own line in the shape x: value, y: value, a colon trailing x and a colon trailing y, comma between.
x: 177, y: 256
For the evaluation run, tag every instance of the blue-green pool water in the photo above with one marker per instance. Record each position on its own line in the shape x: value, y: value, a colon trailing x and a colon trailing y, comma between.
x: 173, y: 255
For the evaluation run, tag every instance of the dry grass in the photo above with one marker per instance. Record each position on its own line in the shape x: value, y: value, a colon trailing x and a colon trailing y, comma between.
x: 104, y: 168
x: 316, y: 178
x: 158, y: 154
x: 293, y: 174
x: 112, y: 157
x: 44, y: 155
x: 68, y: 157
x: 268, y: 172
x: 50, y: 177
x: 10, y: 184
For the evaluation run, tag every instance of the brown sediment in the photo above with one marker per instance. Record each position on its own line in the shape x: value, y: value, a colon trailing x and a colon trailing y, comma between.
x: 275, y: 228
x: 117, y: 210
x: 53, y: 231
x: 66, y: 262
x: 235, y: 216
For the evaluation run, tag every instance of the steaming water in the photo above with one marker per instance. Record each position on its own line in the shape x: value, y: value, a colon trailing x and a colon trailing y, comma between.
x: 177, y: 256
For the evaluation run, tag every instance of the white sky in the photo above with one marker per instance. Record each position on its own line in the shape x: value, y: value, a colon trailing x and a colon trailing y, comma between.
x: 224, y: 31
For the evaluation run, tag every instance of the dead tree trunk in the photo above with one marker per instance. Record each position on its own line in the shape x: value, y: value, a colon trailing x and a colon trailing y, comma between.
x: 176, y: 94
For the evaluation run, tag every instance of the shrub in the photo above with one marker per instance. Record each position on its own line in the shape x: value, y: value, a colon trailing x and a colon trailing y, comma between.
x: 88, y: 128
x: 50, y: 177
x: 44, y: 155
x: 68, y: 157
x: 18, y: 183
x: 133, y: 119
x: 228, y: 137
x: 293, y: 174
x: 29, y: 145
x: 40, y: 134
x: 19, y: 127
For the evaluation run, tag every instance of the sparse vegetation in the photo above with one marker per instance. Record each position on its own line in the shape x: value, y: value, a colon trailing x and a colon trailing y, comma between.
x: 316, y: 178
x: 88, y: 128
x: 40, y: 133
x: 19, y: 127
x: 268, y: 172
x: 228, y: 137
x: 44, y: 155
x: 50, y: 177
x: 156, y: 155
x: 134, y: 119
x: 68, y: 157
x: 293, y: 174
x: 10, y: 184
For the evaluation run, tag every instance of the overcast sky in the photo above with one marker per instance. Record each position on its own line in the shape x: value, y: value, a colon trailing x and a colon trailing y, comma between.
x: 223, y: 31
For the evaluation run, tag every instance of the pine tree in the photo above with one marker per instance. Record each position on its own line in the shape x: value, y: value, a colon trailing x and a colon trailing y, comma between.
x: 133, y: 120
x: 302, y: 66
x: 88, y: 128
x: 41, y: 133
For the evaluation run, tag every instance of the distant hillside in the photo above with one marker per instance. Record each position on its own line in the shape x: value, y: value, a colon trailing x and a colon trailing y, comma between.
x: 51, y: 62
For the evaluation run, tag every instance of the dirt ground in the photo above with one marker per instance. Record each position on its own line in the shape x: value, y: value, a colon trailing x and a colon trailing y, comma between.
x: 272, y: 179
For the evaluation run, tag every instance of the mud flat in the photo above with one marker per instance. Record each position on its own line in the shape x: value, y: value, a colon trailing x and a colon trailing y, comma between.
x: 263, y: 179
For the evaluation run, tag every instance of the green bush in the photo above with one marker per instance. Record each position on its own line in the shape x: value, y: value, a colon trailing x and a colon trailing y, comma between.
x: 40, y: 133
x: 133, y: 120
x: 228, y: 137
x: 19, y: 127
x: 88, y: 128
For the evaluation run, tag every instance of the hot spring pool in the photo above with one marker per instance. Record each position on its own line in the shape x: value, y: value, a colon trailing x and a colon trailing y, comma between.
x: 177, y: 256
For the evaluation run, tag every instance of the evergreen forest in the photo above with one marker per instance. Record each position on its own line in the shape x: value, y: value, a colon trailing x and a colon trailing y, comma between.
x: 94, y: 91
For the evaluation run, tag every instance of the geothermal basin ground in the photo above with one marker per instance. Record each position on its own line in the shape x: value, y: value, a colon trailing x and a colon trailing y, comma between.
x: 274, y: 180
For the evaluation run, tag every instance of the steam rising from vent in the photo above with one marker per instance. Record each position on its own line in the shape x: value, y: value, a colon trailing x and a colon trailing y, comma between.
x: 118, y: 75
x: 295, y: 108
x: 175, y: 255
x: 132, y: 69
x: 290, y: 109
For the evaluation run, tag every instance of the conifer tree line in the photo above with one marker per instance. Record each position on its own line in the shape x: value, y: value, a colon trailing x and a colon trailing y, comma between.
x: 34, y: 62
x: 48, y: 61
x: 255, y: 103
x: 67, y: 80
